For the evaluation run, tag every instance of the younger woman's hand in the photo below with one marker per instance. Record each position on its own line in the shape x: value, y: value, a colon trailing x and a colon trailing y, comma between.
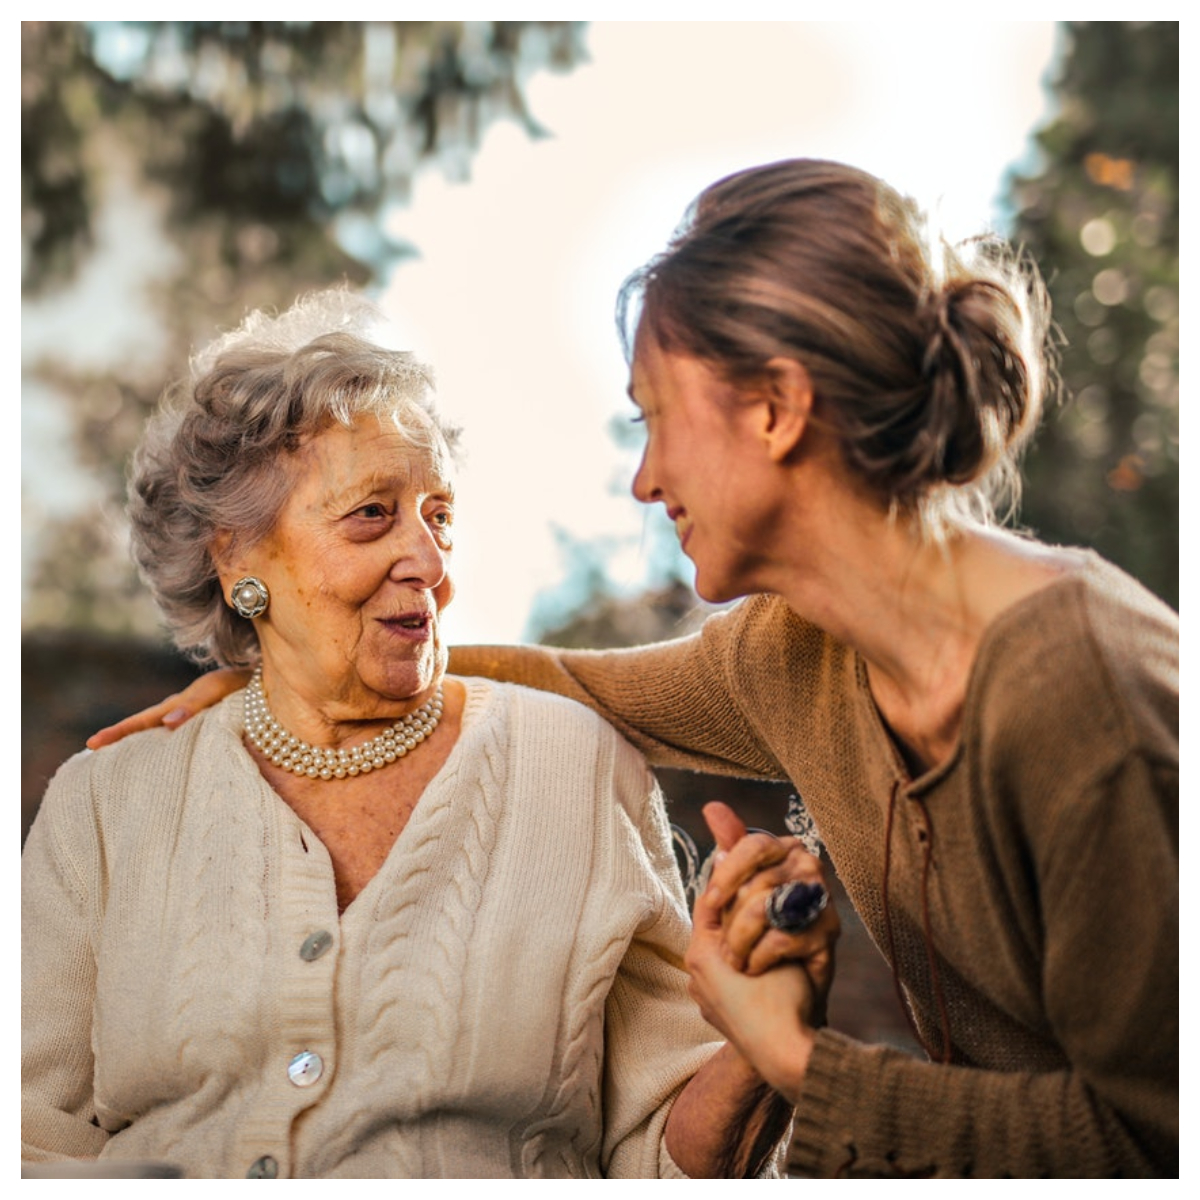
x: 200, y: 694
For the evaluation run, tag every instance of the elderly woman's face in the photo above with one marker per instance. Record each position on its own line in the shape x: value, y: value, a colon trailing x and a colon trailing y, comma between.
x: 357, y: 568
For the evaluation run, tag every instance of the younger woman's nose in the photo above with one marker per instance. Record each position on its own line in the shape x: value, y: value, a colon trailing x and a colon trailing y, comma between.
x: 644, y: 489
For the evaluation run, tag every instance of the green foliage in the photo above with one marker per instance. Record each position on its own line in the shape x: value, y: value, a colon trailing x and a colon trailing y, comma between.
x: 1101, y: 216
x: 288, y: 124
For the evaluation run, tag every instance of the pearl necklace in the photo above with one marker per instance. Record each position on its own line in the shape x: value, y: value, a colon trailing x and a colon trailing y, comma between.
x: 293, y: 754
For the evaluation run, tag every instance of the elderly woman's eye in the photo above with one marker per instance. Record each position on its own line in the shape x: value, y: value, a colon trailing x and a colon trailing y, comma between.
x: 440, y: 521
x: 371, y: 511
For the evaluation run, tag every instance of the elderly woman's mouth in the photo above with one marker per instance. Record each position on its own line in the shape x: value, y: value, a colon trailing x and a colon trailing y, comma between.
x: 413, y: 625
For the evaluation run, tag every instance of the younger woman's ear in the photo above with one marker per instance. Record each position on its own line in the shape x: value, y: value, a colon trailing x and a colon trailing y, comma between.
x: 789, y: 396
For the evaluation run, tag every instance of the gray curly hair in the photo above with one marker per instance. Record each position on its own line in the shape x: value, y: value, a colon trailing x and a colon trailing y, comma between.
x: 213, y: 459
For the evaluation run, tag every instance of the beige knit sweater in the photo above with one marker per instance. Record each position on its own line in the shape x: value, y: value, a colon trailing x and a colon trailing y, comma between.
x: 1044, y: 853
x: 504, y: 999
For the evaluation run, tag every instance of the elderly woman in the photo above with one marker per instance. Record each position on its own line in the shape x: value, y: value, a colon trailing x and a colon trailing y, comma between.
x: 985, y: 729
x: 362, y: 918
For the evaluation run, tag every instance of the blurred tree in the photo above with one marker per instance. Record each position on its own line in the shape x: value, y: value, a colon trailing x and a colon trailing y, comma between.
x: 202, y: 168
x: 1101, y: 217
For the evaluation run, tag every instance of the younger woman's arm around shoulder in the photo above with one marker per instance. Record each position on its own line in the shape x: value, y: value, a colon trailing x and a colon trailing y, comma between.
x: 660, y: 697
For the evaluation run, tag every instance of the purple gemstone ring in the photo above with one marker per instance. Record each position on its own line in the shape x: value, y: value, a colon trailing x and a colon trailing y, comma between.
x: 793, y: 907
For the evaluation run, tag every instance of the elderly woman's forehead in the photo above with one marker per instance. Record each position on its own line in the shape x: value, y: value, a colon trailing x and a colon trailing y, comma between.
x: 382, y: 444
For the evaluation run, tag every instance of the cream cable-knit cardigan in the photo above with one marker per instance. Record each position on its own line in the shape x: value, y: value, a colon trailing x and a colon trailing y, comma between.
x: 505, y: 998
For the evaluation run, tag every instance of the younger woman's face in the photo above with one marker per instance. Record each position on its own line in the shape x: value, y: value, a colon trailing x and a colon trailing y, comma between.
x: 706, y: 463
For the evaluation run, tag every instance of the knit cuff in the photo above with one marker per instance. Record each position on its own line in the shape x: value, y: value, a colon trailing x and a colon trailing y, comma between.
x: 823, y: 1143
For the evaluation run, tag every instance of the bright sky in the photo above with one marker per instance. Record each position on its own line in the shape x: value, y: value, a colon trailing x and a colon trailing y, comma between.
x: 512, y: 298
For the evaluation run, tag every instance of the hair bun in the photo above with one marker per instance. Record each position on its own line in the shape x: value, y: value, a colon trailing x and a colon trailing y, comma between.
x: 984, y: 390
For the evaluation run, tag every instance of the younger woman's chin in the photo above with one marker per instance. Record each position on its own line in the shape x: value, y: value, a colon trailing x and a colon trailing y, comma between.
x: 713, y: 591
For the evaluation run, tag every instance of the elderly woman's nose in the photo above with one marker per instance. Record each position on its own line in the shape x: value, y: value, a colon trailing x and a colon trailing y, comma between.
x: 418, y: 557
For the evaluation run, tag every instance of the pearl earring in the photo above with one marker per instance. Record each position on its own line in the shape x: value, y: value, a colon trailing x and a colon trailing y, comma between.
x: 249, y: 597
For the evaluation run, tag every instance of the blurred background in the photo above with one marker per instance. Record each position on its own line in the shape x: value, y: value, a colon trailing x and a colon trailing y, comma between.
x: 491, y: 184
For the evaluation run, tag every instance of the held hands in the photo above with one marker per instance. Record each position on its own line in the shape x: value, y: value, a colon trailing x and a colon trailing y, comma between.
x: 201, y: 693
x: 765, y: 990
x: 747, y: 869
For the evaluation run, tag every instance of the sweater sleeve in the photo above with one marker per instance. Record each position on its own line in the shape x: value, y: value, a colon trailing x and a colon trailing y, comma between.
x: 59, y: 866
x: 676, y: 701
x: 655, y: 1038
x: 1108, y: 903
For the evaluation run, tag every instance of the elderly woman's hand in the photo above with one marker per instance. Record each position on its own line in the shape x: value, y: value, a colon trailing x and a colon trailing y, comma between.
x: 747, y: 870
x: 201, y: 693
